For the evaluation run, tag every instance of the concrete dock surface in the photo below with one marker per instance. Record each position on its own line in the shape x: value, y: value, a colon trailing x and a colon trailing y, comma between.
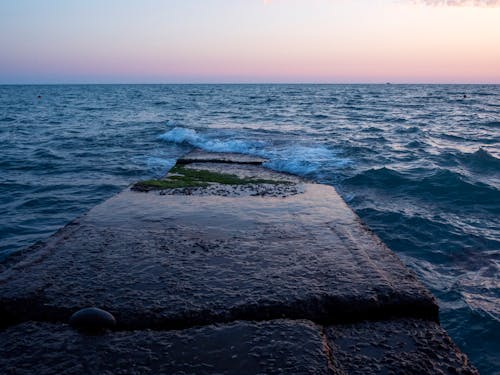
x: 263, y: 272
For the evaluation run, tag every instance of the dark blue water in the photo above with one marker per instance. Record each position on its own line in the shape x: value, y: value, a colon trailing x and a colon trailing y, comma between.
x: 420, y: 164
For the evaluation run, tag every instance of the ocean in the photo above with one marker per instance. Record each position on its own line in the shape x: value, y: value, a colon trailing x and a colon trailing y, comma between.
x: 420, y: 164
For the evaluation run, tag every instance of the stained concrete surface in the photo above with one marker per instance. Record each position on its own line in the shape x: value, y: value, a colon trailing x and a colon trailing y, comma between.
x: 171, y: 261
x: 275, y: 347
x: 220, y: 157
x: 278, y: 347
x: 175, y: 261
x: 404, y: 346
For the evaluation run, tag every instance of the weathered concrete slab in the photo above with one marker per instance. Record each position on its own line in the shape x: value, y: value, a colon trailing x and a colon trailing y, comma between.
x: 246, y: 171
x: 396, y: 347
x: 201, y: 156
x: 283, y: 250
x: 174, y: 261
x: 278, y: 347
x: 289, y: 184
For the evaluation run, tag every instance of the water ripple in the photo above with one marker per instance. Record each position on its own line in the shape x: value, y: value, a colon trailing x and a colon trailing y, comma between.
x: 419, y: 163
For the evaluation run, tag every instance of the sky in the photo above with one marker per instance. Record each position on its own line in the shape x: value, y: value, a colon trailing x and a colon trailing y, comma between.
x: 249, y: 41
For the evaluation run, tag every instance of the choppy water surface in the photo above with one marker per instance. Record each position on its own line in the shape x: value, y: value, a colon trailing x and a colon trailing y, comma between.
x: 420, y: 164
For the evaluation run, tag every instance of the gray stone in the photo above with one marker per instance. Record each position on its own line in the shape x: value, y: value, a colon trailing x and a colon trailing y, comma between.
x: 278, y: 347
x: 201, y: 156
x: 406, y: 346
x: 247, y: 171
x: 92, y: 319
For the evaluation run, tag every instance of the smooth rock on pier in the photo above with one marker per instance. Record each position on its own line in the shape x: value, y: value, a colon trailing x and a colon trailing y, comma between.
x: 223, y: 266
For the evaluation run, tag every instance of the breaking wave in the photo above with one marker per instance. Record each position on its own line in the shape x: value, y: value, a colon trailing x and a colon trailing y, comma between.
x: 303, y: 160
x: 191, y: 137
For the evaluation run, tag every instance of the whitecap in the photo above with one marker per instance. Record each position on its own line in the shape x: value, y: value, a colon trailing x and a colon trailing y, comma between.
x: 305, y: 160
x: 302, y: 160
x: 190, y: 136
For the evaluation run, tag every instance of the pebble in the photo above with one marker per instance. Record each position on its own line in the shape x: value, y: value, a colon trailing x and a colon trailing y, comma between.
x: 92, y: 319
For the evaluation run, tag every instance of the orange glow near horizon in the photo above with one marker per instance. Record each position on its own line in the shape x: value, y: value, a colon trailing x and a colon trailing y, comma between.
x: 252, y: 41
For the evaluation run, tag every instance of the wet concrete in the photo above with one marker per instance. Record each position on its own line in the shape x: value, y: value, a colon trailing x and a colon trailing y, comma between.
x: 219, y: 157
x: 215, y: 255
x: 275, y: 347
x: 162, y: 261
x: 405, y: 346
x: 278, y: 347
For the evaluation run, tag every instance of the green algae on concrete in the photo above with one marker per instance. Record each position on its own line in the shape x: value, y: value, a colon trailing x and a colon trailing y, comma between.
x: 182, y: 177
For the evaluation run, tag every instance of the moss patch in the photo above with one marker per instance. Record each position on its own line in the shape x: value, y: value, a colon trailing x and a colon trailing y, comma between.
x: 181, y: 177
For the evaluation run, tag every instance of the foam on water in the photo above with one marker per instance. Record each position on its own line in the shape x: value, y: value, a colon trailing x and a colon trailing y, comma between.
x: 190, y: 136
x: 302, y: 160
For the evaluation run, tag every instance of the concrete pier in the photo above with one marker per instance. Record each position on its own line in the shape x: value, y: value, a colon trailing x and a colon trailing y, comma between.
x: 222, y: 267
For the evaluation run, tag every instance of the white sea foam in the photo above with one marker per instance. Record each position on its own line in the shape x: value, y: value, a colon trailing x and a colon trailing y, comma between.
x: 305, y: 160
x: 190, y: 136
x: 296, y: 159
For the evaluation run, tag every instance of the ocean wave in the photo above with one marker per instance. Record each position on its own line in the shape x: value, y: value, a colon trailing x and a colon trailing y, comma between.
x: 483, y: 139
x: 408, y: 129
x: 306, y: 160
x: 378, y: 178
x: 416, y: 145
x: 396, y: 120
x: 303, y: 160
x: 409, y: 233
x: 481, y: 164
x: 47, y: 154
x: 92, y: 109
x: 321, y: 116
x: 190, y: 136
x: 372, y: 129
x: 442, y: 185
x: 490, y: 123
x: 481, y: 160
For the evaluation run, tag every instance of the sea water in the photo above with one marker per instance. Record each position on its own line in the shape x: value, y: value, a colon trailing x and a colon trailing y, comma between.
x: 420, y: 164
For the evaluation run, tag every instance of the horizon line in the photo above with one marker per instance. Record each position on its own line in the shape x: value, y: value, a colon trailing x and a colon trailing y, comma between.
x: 388, y: 83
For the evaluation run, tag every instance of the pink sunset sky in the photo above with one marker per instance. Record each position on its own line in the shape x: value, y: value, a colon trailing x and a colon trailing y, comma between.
x: 197, y: 41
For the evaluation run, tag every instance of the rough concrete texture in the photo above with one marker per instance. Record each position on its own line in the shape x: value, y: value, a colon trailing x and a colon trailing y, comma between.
x: 284, y: 184
x: 161, y: 261
x: 278, y: 347
x: 174, y: 261
x: 246, y: 171
x: 252, y: 190
x: 220, y: 157
x: 396, y: 347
